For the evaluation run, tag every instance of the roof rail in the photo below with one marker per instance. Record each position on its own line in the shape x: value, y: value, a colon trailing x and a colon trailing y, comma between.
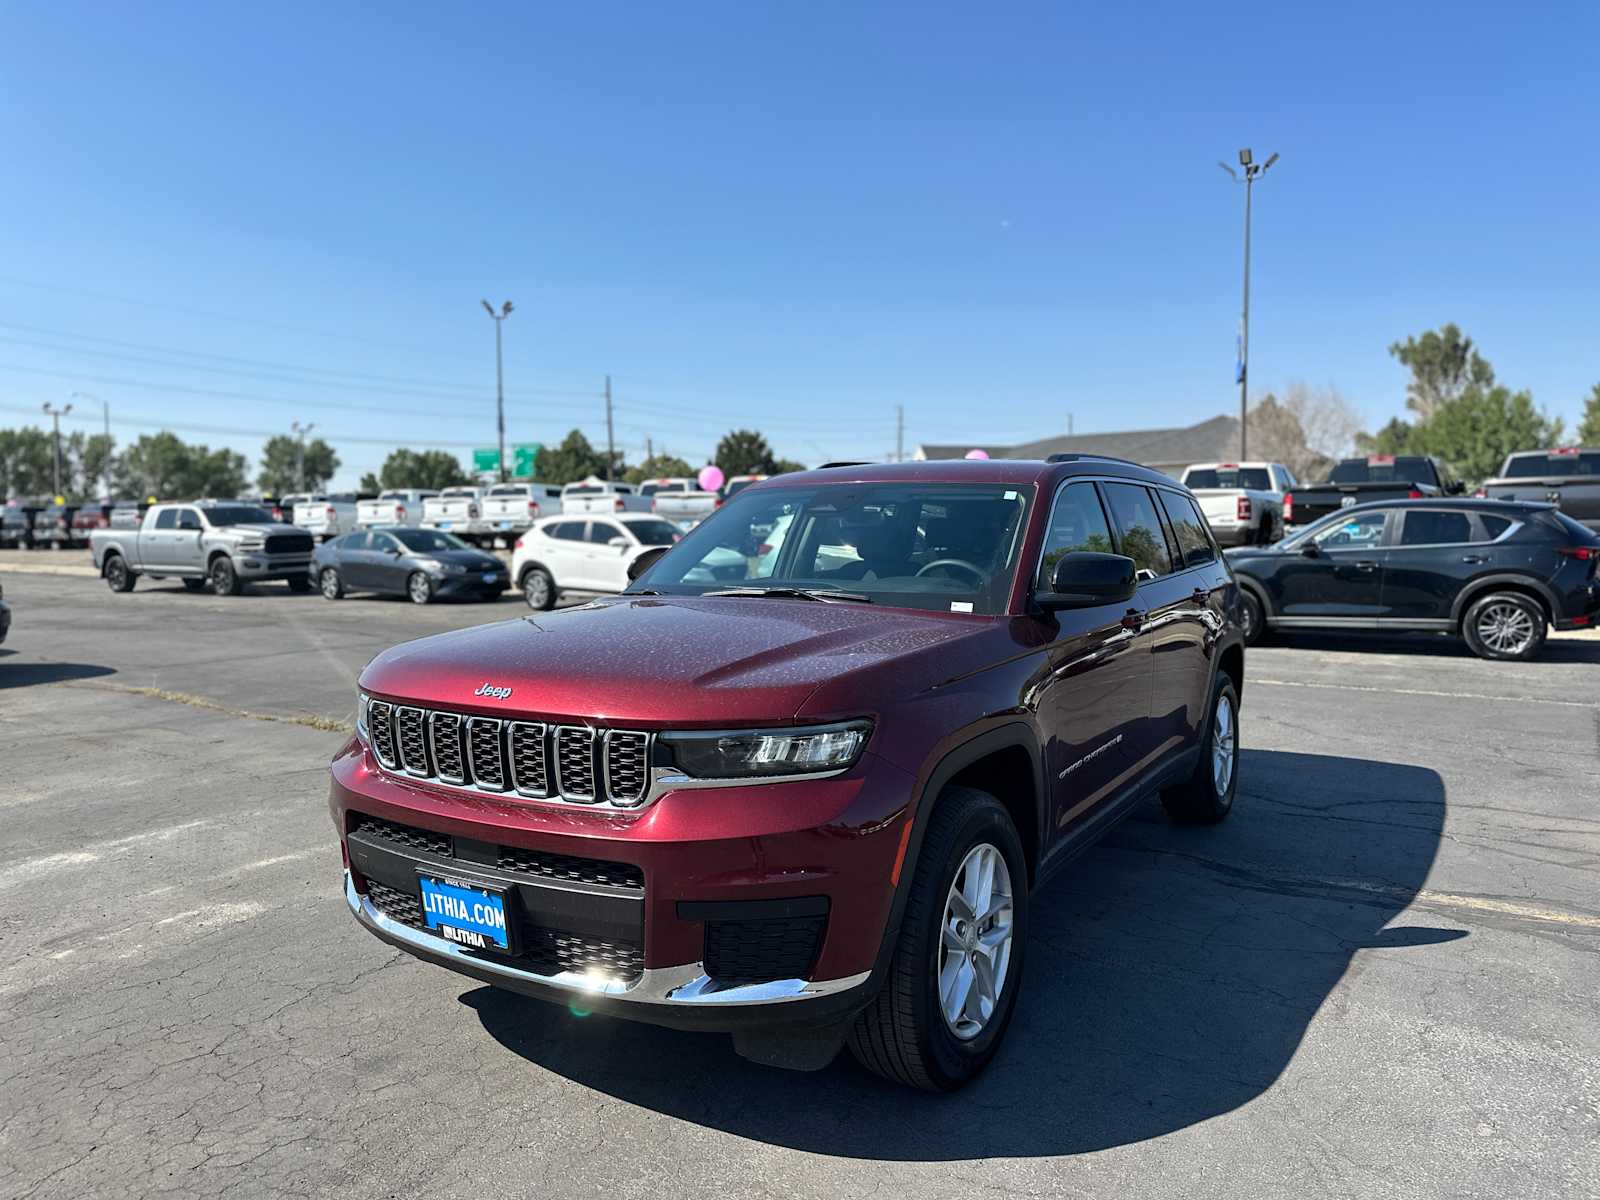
x: 843, y: 463
x: 1061, y: 458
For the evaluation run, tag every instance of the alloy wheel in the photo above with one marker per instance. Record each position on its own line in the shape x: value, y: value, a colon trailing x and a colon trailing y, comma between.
x: 536, y: 591
x: 974, y: 958
x: 330, y: 584
x: 420, y: 589
x: 1224, y: 745
x: 1505, y: 628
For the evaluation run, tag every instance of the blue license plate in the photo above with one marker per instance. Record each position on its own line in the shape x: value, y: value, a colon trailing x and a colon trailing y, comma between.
x: 491, y: 576
x: 505, y: 524
x: 444, y: 524
x: 467, y: 913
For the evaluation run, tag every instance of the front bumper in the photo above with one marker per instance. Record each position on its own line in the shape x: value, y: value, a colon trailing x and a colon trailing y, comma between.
x: 706, y: 861
x: 271, y: 566
x: 469, y: 586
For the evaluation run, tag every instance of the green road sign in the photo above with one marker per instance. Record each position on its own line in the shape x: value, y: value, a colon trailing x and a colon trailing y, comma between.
x: 523, y: 457
x: 486, y: 460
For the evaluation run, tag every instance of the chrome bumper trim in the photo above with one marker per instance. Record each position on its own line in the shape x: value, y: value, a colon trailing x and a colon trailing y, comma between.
x: 683, y: 985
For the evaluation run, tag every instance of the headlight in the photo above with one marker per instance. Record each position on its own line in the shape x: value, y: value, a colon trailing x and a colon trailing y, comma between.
x: 752, y: 753
x: 454, y: 569
x: 361, y: 718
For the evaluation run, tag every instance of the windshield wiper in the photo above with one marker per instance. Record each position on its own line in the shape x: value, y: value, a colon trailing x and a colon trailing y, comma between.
x: 793, y: 593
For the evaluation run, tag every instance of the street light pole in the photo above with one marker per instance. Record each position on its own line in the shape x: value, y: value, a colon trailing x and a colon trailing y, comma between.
x: 106, y: 410
x: 300, y: 431
x: 55, y: 414
x: 499, y: 379
x: 1251, y: 170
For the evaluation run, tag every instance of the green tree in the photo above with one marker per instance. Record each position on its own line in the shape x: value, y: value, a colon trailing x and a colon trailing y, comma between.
x: 280, y: 466
x: 404, y: 468
x: 572, y: 460
x: 1589, y: 427
x: 744, y: 452
x: 659, y: 466
x: 1475, y: 431
x: 165, y: 466
x: 784, y: 466
x: 1443, y: 365
x: 1397, y: 437
x: 25, y: 462
x: 94, y: 461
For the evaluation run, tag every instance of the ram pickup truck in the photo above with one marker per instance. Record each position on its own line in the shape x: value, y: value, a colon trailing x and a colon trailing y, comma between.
x: 1376, y: 477
x: 594, y: 495
x: 804, y: 797
x: 395, y: 507
x: 1242, y: 502
x: 511, y: 508
x: 221, y: 545
x: 1568, y: 477
x: 457, y: 510
x: 679, y: 500
x: 327, y: 517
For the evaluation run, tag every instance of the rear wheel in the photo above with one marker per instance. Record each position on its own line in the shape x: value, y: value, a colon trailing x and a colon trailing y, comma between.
x: 299, y: 583
x: 1267, y: 534
x: 419, y: 588
x: 1504, y: 625
x: 957, y: 967
x: 1206, y: 797
x: 1252, y: 618
x: 194, y: 585
x: 332, y: 586
x: 223, y: 578
x: 118, y: 577
x: 538, y: 589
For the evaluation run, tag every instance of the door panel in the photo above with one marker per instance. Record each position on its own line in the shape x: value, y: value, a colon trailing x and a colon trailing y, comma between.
x: 1186, y: 618
x: 1345, y: 578
x: 1436, y: 552
x: 188, y: 547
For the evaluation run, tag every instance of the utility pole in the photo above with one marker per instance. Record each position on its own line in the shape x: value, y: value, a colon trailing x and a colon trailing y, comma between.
x: 1252, y: 170
x: 611, y: 442
x: 899, y: 433
x: 649, y: 447
x: 1069, y: 424
x: 499, y: 380
x: 300, y: 432
x: 55, y: 414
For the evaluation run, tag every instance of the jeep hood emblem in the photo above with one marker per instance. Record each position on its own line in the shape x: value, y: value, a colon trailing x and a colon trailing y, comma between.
x: 493, y: 692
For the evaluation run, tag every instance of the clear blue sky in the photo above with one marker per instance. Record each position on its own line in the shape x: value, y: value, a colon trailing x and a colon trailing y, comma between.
x: 795, y: 218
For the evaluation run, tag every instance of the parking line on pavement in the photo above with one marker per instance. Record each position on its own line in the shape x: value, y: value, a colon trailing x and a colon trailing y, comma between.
x: 1356, y: 687
x: 31, y: 868
x: 326, y: 724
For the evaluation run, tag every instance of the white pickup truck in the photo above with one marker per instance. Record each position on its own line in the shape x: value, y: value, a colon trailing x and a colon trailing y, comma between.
x: 594, y: 495
x: 457, y: 510
x: 679, y: 500
x: 400, y: 506
x: 327, y: 517
x: 512, y: 508
x: 1242, y: 502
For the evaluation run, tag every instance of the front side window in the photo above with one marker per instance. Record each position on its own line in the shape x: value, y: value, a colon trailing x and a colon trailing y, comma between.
x: 357, y: 541
x: 188, y: 519
x: 1076, y: 523
x: 1189, y: 527
x: 1359, y: 531
x: 1133, y: 508
x: 1426, y: 528
x: 601, y: 532
x: 425, y: 541
x: 934, y: 546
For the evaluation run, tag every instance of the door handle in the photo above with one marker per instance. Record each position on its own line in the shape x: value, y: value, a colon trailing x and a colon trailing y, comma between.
x: 1474, y: 558
x: 1133, y: 620
x: 1366, y: 566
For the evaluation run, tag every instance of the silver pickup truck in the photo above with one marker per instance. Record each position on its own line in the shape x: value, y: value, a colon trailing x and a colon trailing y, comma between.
x: 217, y: 544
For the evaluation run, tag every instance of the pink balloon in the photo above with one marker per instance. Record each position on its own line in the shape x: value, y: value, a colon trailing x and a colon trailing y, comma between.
x: 977, y: 454
x: 711, y: 479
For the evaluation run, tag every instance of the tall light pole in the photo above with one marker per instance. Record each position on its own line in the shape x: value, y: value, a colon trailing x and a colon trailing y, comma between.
x: 300, y: 432
x: 1251, y: 170
x: 105, y: 409
x: 55, y: 414
x: 499, y: 379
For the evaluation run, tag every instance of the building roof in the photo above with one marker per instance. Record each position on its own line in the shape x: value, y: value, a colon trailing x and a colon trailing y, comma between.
x: 1217, y: 438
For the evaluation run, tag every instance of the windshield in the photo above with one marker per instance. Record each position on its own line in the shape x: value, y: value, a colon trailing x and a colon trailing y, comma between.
x: 239, y: 514
x: 941, y: 547
x: 654, y: 532
x: 1229, y: 477
x: 427, y: 541
x: 1406, y: 468
x: 668, y: 485
x: 1554, y: 465
x: 582, y: 489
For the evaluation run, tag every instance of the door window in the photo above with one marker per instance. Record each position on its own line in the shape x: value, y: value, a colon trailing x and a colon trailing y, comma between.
x: 188, y: 519
x: 1139, y: 529
x: 167, y: 519
x: 1360, y: 531
x: 568, y: 531
x: 1494, y: 526
x: 355, y: 541
x: 1194, y: 543
x: 1076, y: 523
x: 601, y: 532
x: 1424, y: 527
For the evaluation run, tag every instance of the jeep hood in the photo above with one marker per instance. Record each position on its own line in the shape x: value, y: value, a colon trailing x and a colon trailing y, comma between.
x: 703, y: 661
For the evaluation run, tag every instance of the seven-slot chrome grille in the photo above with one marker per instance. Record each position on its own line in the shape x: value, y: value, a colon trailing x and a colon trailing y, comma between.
x: 574, y: 763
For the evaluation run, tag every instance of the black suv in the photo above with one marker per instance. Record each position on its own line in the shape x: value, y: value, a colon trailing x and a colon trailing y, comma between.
x: 1493, y: 572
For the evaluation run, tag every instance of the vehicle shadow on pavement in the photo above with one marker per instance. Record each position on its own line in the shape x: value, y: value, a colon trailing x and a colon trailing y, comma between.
x: 1557, y: 649
x: 18, y: 675
x: 1172, y: 973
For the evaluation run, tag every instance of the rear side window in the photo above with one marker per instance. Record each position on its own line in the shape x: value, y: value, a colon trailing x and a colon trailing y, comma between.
x: 1194, y: 543
x: 1139, y: 531
x: 167, y: 518
x: 1427, y: 528
x: 1076, y: 523
x: 567, y: 531
x: 1494, y: 526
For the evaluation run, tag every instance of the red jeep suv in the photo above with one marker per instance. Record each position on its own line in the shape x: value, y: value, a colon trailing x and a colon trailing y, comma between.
x: 798, y: 781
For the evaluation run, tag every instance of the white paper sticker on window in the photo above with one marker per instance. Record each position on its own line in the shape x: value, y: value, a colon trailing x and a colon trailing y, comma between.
x: 961, y: 606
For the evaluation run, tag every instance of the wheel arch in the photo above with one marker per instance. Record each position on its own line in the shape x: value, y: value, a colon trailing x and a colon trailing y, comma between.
x: 1249, y: 583
x: 1528, y: 586
x: 522, y: 571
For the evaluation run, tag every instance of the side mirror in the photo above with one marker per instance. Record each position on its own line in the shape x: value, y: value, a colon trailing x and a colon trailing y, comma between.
x: 619, y: 543
x: 1084, y: 579
x: 1310, y: 550
x: 645, y: 561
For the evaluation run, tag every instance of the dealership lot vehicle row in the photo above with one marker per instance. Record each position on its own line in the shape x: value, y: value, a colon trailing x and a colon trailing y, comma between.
x: 1407, y: 917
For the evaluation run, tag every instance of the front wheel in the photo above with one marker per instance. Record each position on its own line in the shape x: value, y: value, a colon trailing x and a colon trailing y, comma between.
x: 1206, y: 797
x: 299, y: 583
x: 1504, y: 625
x: 332, y: 586
x: 224, y: 579
x: 118, y: 577
x: 957, y: 968
x: 193, y: 585
x: 419, y: 588
x: 1252, y: 618
x: 538, y: 589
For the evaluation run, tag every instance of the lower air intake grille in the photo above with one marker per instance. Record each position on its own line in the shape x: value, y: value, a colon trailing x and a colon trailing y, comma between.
x: 759, y: 951
x: 395, y: 905
x: 407, y: 836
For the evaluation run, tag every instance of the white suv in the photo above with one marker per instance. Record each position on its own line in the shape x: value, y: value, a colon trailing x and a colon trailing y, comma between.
x: 584, y: 555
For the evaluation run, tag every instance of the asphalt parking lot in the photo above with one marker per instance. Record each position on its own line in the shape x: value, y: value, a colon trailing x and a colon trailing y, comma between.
x: 1378, y: 979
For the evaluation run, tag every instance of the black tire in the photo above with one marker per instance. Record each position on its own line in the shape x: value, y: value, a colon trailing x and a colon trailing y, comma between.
x: 118, y: 577
x: 903, y: 1033
x: 538, y: 589
x: 299, y: 583
x: 419, y: 588
x: 193, y: 585
x: 223, y: 578
x: 1200, y: 800
x: 1252, y: 617
x: 1265, y: 536
x: 331, y: 584
x: 1504, y: 626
